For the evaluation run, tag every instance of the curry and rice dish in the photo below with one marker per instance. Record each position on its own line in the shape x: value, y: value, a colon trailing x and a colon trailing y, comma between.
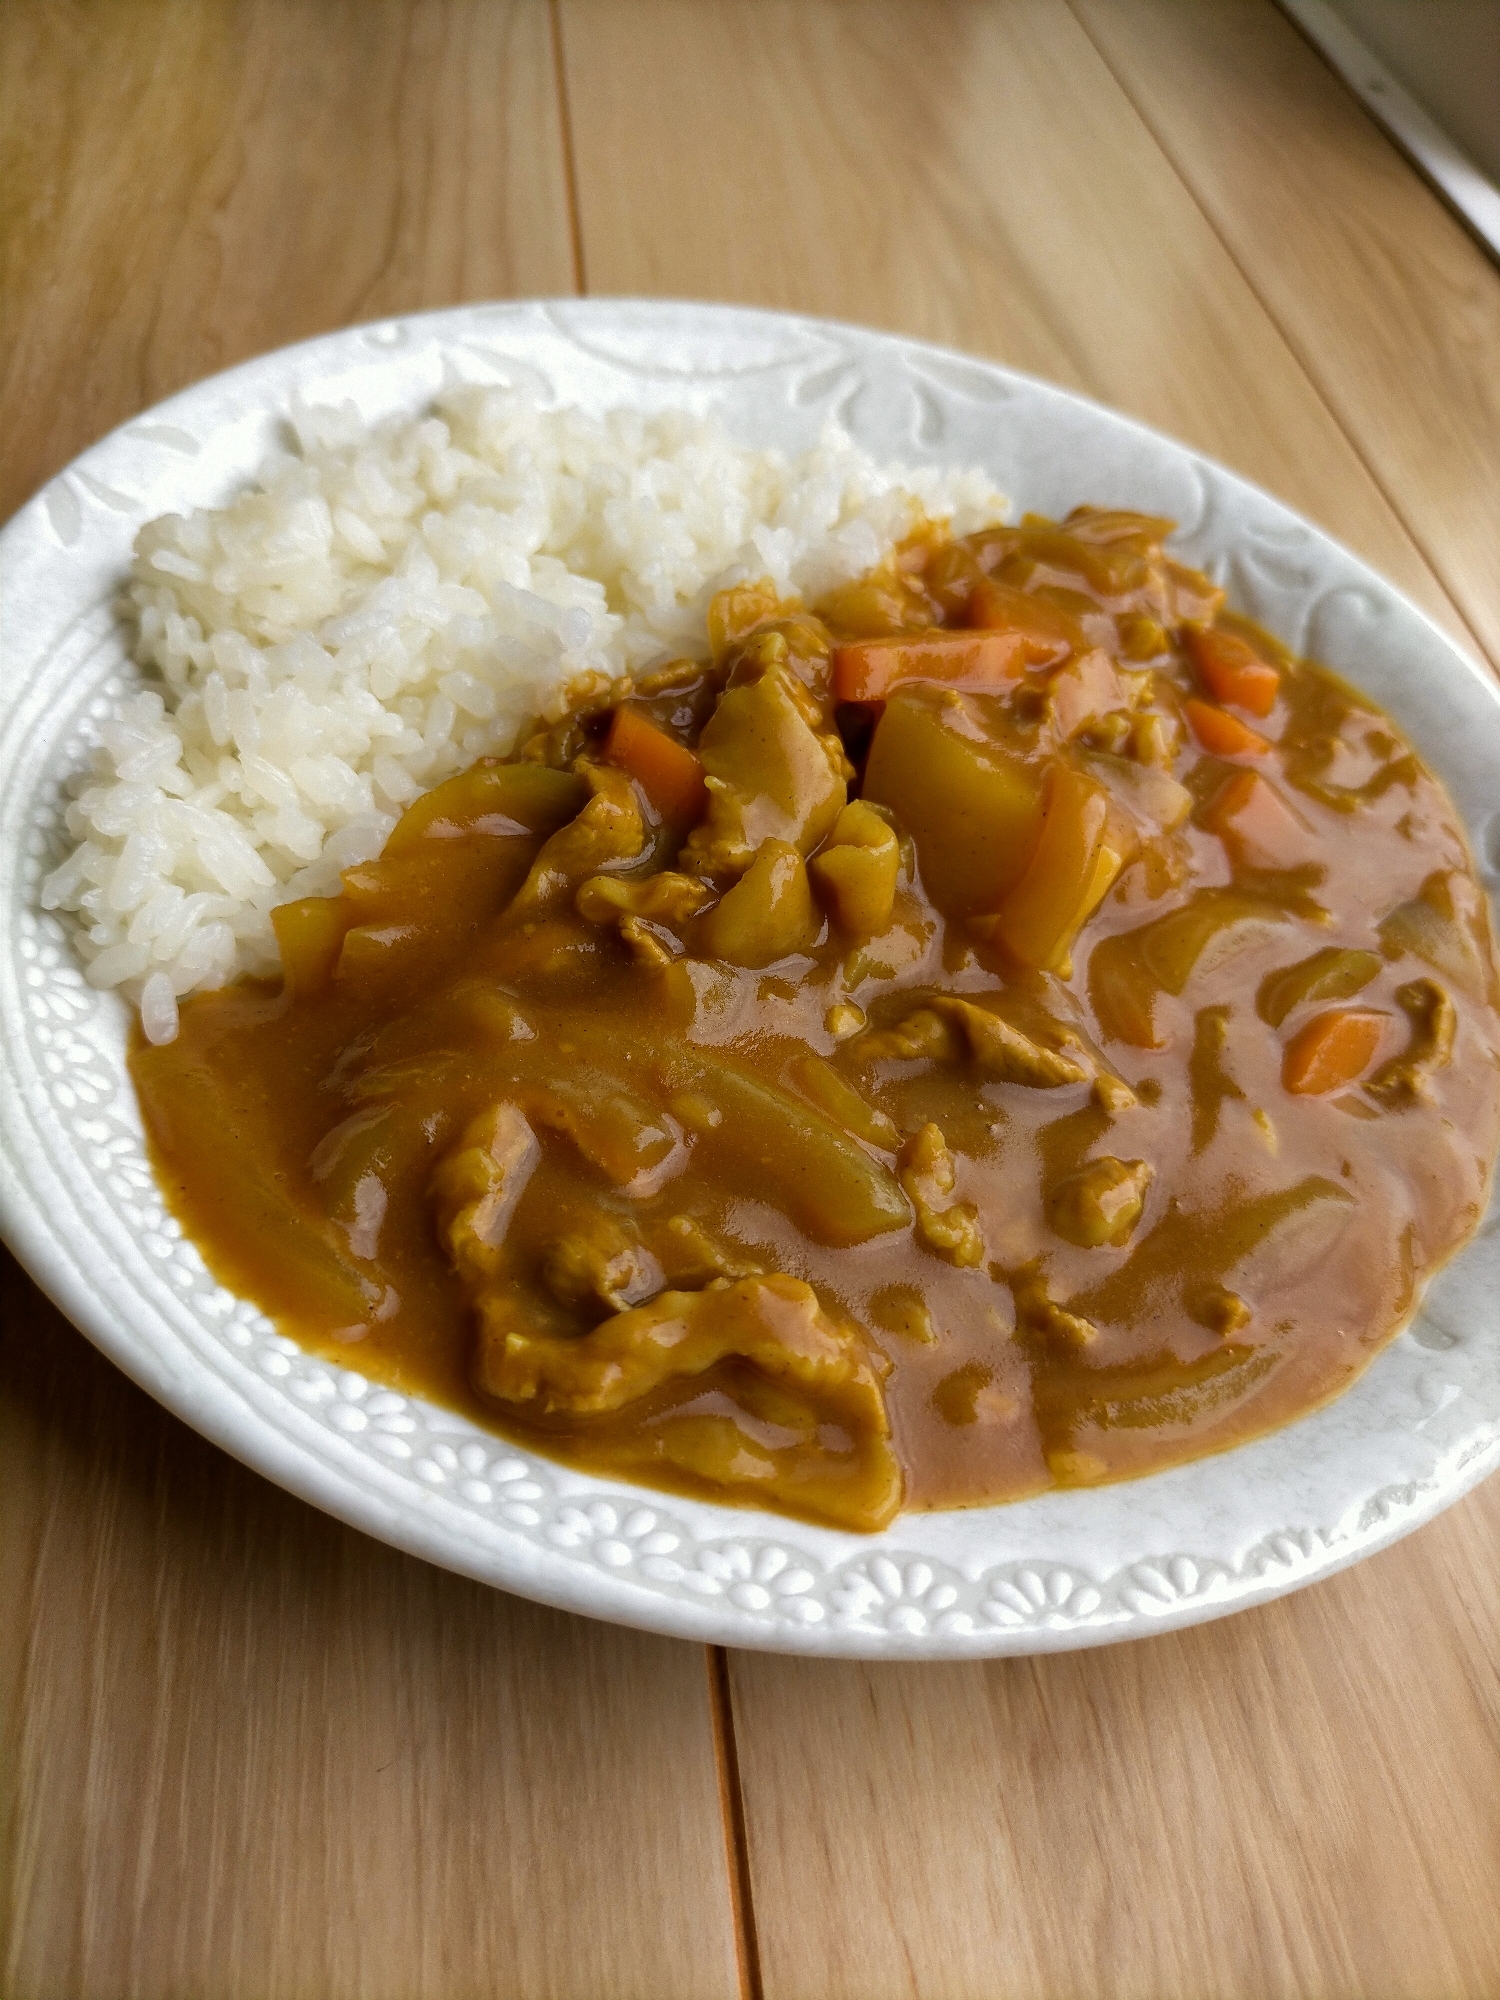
x: 1008, y: 1025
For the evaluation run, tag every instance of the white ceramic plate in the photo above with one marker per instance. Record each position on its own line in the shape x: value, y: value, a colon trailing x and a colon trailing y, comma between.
x: 82, y: 1211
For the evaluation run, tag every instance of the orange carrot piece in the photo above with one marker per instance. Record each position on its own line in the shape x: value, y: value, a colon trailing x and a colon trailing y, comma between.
x: 1222, y: 733
x: 668, y: 772
x: 868, y: 670
x: 1046, y: 630
x: 1330, y: 1050
x: 1233, y: 671
x: 1258, y: 827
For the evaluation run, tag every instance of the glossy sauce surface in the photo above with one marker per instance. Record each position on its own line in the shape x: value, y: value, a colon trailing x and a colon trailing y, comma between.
x: 1017, y: 1027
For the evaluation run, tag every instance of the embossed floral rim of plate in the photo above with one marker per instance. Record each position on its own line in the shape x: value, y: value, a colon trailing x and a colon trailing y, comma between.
x: 81, y: 1209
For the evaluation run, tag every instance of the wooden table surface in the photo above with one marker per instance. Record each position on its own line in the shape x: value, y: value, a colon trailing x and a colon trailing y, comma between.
x: 245, y: 1751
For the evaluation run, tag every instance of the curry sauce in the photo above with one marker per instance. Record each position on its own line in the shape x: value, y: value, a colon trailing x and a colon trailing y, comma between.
x: 1010, y: 1026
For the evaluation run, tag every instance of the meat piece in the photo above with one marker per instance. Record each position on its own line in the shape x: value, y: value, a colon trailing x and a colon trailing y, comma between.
x: 1101, y: 1203
x: 474, y: 1191
x: 600, y: 1262
x: 1404, y: 1079
x: 609, y: 828
x: 667, y: 898
x: 774, y: 1322
x: 691, y: 1258
x: 1220, y: 1310
x: 1041, y: 1316
x: 822, y: 1371
x: 921, y: 1034
x: 928, y: 1175
x: 648, y: 914
x: 947, y: 1027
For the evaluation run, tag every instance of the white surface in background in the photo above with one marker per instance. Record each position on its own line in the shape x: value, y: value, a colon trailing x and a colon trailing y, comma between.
x: 1447, y: 54
x: 1476, y: 197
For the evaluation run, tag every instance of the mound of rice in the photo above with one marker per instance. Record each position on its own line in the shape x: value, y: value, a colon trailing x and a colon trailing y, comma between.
x: 385, y: 605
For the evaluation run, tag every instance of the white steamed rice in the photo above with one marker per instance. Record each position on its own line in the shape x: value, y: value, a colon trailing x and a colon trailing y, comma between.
x: 388, y: 604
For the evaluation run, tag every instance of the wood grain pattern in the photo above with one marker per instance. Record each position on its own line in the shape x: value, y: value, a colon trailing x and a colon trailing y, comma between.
x: 1389, y: 304
x: 1301, y: 1800
x: 247, y: 1751
x: 185, y: 185
x: 244, y: 1750
x: 967, y: 172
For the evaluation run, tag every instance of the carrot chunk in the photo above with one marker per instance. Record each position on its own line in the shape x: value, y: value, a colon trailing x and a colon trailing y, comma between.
x: 1330, y: 1050
x: 1223, y: 734
x: 1258, y: 827
x: 1232, y: 671
x: 1047, y: 632
x: 870, y: 669
x: 668, y: 772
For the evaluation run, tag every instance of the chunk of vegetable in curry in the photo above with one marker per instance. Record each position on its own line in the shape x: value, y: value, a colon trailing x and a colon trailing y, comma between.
x: 1008, y: 1025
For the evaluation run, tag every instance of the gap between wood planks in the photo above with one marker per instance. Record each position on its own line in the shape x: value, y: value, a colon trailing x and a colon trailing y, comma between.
x: 1162, y: 145
x: 736, y: 1840
x: 716, y: 1659
x: 570, y: 164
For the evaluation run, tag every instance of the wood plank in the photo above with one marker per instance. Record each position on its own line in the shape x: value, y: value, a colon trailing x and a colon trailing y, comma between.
x: 1297, y: 1801
x: 967, y: 173
x: 245, y: 1750
x: 1302, y: 1800
x: 1389, y: 304
x: 185, y: 185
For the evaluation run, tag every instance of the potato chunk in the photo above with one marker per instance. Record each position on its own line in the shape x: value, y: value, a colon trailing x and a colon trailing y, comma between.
x: 767, y: 915
x: 1070, y: 870
x: 972, y: 806
x: 856, y: 872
